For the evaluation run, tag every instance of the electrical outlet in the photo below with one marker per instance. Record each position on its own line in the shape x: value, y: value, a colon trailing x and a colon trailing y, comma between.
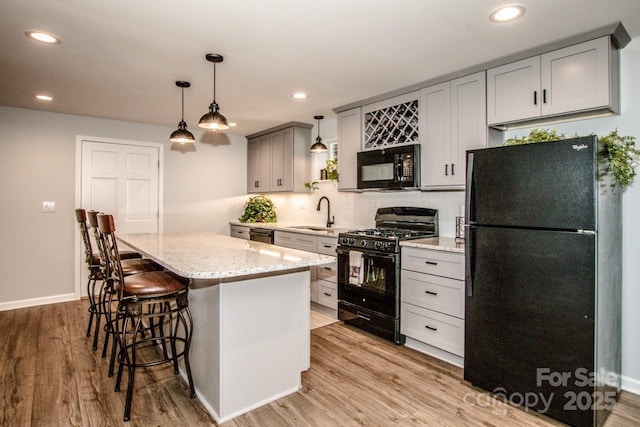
x: 48, y: 207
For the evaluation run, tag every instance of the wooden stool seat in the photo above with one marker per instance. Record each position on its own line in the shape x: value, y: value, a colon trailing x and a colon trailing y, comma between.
x: 157, y: 283
x: 137, y: 266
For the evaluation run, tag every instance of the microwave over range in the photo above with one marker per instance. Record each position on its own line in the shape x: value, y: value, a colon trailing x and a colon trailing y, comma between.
x: 393, y: 168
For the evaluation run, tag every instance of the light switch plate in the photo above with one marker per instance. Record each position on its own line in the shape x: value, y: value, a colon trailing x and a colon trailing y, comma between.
x: 48, y: 207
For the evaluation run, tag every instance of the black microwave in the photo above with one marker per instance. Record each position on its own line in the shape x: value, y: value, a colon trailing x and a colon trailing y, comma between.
x: 393, y: 168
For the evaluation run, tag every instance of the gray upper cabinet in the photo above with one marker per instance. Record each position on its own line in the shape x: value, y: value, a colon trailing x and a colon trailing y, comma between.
x: 259, y: 164
x: 454, y: 117
x: 349, y: 143
x: 576, y: 79
x: 278, y: 159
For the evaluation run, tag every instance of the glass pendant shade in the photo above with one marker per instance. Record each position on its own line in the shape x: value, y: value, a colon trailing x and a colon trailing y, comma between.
x: 182, y: 135
x: 213, y: 120
x: 318, y: 146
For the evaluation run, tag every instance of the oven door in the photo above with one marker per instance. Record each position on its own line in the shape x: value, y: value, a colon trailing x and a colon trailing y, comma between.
x: 377, y: 288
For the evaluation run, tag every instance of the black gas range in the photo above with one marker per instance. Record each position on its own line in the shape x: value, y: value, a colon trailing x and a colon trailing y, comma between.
x: 369, y: 268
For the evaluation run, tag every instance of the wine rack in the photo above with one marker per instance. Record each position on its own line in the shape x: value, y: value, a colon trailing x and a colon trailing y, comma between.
x: 397, y: 124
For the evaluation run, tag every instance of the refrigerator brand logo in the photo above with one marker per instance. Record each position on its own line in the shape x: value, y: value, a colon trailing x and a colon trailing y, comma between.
x: 579, y: 147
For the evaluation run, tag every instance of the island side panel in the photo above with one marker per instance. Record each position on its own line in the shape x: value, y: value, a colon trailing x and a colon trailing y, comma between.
x: 205, y: 353
x: 265, y: 340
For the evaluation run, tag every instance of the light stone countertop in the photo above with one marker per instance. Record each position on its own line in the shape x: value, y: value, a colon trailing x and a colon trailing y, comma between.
x: 295, y: 228
x: 208, y: 255
x: 446, y: 244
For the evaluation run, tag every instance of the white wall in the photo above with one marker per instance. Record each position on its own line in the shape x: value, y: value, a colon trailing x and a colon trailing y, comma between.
x: 204, y: 189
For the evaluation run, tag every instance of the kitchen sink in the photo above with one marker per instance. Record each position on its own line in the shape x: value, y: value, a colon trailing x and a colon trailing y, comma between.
x: 311, y: 228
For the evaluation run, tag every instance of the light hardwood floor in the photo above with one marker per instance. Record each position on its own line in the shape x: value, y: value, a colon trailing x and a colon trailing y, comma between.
x: 49, y: 376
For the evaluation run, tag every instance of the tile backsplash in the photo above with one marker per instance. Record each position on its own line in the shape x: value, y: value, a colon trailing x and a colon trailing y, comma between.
x: 357, y: 210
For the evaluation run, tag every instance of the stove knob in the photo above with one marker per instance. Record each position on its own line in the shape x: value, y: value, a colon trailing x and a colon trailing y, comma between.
x: 364, y: 243
x: 376, y: 245
x: 352, y: 241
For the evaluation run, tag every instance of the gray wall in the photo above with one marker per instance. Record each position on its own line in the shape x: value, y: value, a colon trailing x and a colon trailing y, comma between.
x: 203, y: 190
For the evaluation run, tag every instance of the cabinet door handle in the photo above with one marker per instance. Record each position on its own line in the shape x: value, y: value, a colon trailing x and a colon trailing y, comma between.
x: 327, y: 294
x: 256, y: 184
x: 446, y: 169
x: 430, y: 327
x: 453, y: 171
x: 327, y: 246
x: 327, y: 268
x: 431, y: 293
x: 431, y: 262
x: 535, y: 97
x: 544, y: 96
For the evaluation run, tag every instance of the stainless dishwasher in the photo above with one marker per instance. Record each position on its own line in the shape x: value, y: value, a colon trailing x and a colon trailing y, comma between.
x: 261, y: 235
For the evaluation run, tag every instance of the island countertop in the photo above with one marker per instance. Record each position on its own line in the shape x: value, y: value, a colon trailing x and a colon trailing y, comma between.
x: 206, y: 255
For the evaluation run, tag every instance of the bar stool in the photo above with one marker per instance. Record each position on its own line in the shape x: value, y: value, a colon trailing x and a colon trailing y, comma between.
x: 130, y: 266
x: 95, y: 273
x: 153, y: 311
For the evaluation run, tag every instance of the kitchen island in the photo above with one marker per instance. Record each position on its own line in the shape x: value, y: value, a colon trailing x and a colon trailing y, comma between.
x: 250, y: 304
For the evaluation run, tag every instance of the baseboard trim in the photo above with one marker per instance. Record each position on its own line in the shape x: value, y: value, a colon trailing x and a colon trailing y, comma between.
x: 33, y: 302
x: 631, y: 385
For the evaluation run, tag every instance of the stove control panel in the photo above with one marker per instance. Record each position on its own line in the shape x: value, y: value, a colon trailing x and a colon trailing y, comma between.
x: 369, y: 243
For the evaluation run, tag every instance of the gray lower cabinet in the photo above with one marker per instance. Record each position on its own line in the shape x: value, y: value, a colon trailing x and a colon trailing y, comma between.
x: 239, y: 231
x: 324, y: 288
x: 432, y: 298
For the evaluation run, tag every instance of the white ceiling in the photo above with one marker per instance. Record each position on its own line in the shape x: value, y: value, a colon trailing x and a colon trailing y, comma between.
x: 119, y: 59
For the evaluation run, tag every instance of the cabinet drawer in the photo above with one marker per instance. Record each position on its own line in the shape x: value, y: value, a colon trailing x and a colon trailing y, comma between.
x: 240, y: 232
x: 439, y: 263
x: 304, y: 242
x: 327, y: 245
x: 328, y: 272
x: 436, y: 293
x: 327, y: 294
x: 436, y: 329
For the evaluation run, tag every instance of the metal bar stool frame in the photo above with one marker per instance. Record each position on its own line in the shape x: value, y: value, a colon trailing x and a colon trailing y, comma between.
x: 157, y: 298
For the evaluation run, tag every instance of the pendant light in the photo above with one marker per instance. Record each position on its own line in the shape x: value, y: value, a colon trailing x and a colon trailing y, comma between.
x: 213, y: 120
x: 182, y: 135
x: 319, y: 146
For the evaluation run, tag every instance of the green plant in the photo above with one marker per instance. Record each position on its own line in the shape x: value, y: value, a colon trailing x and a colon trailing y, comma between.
x: 620, y: 151
x: 536, y: 135
x: 312, y: 186
x: 332, y: 168
x: 623, y: 157
x: 258, y: 209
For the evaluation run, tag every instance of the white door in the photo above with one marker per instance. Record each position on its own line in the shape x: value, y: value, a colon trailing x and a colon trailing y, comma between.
x: 122, y: 180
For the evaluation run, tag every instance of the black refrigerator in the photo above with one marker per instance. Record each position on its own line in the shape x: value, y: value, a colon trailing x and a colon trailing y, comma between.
x: 543, y: 278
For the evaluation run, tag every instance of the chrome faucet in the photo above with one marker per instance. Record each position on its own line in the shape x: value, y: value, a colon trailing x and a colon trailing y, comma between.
x: 330, y: 219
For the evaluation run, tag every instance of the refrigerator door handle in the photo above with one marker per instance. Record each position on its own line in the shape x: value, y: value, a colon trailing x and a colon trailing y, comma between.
x: 469, y: 187
x: 468, y: 265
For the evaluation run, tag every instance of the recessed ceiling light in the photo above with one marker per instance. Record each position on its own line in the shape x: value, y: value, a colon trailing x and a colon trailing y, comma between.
x: 506, y: 13
x: 232, y: 124
x: 43, y: 37
x: 299, y: 95
x: 42, y: 97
